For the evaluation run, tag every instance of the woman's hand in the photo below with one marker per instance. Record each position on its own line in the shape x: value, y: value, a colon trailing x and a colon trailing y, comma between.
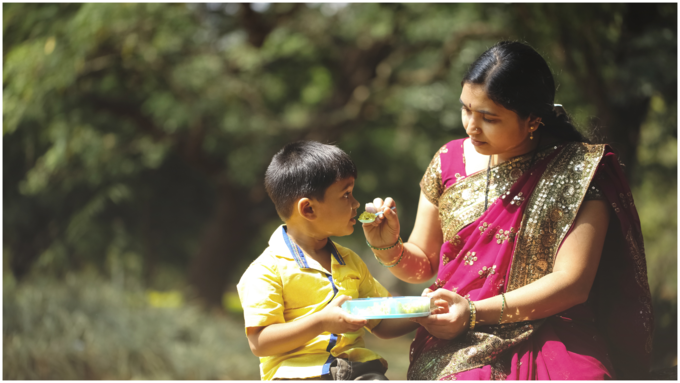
x: 450, y: 318
x: 384, y: 231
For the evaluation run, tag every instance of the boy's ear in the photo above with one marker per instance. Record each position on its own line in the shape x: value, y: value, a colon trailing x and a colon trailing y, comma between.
x: 306, y: 209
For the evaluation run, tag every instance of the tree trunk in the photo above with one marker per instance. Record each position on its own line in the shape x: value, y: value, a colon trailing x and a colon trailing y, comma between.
x: 623, y: 131
x: 224, y: 242
x: 26, y: 252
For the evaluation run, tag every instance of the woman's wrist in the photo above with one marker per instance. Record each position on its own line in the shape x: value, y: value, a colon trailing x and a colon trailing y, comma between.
x: 472, y: 315
x: 489, y: 311
x: 392, y: 256
x: 385, y: 246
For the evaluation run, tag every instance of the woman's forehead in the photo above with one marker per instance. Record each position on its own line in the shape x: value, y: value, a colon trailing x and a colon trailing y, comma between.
x: 474, y: 97
x: 474, y: 94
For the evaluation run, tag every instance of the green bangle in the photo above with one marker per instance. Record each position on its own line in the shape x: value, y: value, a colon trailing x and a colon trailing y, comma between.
x: 394, y: 264
x: 384, y: 248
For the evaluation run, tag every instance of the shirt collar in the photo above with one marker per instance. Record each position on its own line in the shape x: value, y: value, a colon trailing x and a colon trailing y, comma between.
x: 283, y: 245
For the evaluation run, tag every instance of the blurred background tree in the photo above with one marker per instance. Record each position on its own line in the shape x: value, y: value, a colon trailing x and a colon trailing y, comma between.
x: 136, y: 135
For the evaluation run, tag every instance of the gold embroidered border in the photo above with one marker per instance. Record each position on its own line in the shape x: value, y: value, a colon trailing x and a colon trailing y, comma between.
x: 463, y: 202
x: 431, y: 184
x: 551, y: 210
x: 473, y: 350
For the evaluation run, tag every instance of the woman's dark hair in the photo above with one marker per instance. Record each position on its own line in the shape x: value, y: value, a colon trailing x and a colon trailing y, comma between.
x: 305, y: 169
x: 515, y: 76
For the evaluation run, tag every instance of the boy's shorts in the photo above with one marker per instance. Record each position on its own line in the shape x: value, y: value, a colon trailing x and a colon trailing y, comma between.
x: 343, y: 369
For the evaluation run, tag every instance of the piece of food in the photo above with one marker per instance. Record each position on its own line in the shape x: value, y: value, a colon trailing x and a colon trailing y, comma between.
x: 366, y: 216
x: 377, y: 309
x: 414, y: 307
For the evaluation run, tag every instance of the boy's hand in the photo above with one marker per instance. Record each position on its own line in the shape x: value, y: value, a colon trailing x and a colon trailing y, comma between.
x: 384, y: 231
x: 337, y: 321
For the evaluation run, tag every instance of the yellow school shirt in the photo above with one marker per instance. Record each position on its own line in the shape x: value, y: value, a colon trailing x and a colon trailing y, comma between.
x: 282, y: 285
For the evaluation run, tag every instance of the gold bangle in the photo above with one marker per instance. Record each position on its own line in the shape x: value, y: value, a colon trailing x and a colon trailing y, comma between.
x: 394, y: 264
x: 473, y: 314
x: 502, y: 308
x: 384, y: 248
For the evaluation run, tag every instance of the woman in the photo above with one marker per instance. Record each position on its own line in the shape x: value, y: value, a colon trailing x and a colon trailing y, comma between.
x: 533, y: 236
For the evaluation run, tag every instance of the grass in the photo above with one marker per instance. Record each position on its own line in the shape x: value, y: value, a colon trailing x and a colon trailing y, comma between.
x: 85, y: 327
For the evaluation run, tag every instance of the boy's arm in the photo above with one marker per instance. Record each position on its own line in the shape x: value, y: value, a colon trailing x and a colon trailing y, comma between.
x: 283, y: 337
x: 392, y: 328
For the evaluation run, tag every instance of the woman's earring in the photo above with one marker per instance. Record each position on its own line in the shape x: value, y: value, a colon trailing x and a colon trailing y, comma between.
x: 531, y: 135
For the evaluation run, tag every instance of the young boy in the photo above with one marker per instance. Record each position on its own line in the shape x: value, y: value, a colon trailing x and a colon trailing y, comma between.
x: 292, y: 293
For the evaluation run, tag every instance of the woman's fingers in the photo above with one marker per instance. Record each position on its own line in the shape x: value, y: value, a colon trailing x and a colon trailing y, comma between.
x: 443, y: 294
x: 442, y: 305
x: 371, y: 208
x: 385, y: 206
x: 385, y: 227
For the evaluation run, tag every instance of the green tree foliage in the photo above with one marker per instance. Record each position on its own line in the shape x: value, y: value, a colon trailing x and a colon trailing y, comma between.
x: 136, y: 135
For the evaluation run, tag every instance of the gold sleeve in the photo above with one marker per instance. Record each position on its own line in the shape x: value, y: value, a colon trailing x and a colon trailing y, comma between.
x: 431, y: 184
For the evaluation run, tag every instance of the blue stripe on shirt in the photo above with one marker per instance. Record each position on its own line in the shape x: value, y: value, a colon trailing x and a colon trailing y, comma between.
x: 334, y: 338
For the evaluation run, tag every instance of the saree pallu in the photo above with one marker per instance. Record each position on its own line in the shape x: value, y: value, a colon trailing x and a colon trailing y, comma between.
x: 533, y: 202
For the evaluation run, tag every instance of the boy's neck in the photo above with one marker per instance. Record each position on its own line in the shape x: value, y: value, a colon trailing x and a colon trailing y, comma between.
x: 309, y: 242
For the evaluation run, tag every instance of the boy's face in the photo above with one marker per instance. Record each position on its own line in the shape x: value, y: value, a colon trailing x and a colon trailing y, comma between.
x: 335, y: 216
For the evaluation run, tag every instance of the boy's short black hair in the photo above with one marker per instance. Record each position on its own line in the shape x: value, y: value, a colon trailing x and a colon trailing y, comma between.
x: 305, y: 169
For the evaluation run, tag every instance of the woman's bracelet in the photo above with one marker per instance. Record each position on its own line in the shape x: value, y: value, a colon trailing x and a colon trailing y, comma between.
x: 502, y: 308
x: 473, y: 314
x: 384, y: 248
x: 398, y: 260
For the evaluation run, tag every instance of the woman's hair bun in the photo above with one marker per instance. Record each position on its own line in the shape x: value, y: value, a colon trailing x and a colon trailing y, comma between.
x: 559, y: 110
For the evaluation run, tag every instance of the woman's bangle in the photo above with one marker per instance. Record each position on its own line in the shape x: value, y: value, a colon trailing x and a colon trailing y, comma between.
x: 394, y: 264
x: 473, y: 314
x: 502, y: 308
x: 384, y: 248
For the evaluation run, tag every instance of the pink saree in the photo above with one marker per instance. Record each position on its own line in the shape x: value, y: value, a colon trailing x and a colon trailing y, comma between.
x: 532, y: 206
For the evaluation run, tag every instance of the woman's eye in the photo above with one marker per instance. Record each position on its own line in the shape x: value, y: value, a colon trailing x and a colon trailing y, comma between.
x: 491, y: 121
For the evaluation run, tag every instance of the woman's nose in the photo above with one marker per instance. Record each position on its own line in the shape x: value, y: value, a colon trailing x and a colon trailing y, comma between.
x: 471, y: 124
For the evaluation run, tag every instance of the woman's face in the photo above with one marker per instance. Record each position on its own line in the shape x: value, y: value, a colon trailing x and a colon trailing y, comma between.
x: 492, y: 128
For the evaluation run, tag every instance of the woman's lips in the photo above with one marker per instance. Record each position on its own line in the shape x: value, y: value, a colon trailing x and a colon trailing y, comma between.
x: 476, y: 143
